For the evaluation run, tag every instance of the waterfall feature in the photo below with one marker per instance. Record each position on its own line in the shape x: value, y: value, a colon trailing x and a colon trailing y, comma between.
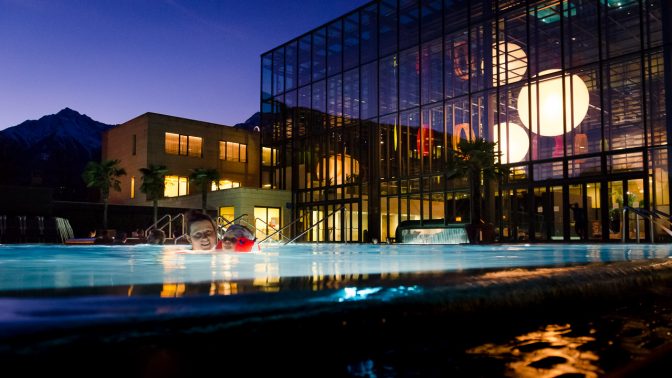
x: 451, y: 235
x: 64, y: 229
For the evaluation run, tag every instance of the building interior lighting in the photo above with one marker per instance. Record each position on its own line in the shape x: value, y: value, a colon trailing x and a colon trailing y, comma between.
x: 519, y: 145
x: 547, y: 118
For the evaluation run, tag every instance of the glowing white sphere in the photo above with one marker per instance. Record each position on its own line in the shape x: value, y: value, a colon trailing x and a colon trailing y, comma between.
x: 547, y: 118
x: 512, y: 63
x: 515, y: 147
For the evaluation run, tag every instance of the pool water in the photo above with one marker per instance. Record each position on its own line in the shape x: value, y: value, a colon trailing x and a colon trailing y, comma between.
x: 335, y: 309
x: 26, y: 267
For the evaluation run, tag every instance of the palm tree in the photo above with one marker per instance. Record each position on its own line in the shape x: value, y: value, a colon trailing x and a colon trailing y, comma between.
x: 154, y: 184
x: 103, y: 176
x: 476, y: 161
x: 203, y: 178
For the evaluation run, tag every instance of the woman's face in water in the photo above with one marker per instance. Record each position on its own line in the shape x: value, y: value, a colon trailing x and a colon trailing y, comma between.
x: 203, y: 236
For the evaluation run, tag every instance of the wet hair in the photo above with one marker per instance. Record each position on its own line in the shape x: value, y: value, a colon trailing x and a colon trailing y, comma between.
x: 156, y: 236
x: 239, y: 230
x: 194, y: 216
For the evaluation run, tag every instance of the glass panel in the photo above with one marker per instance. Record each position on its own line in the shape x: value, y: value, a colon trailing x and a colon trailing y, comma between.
x: 319, y: 54
x: 594, y: 211
x: 615, y: 209
x: 274, y: 222
x: 580, y: 32
x: 304, y: 60
x: 409, y: 17
x: 195, y: 146
x: 459, y: 64
x: 456, y: 14
x: 389, y: 147
x: 227, y: 212
x: 409, y: 78
x: 438, y: 206
x: 243, y: 153
x: 369, y: 16
x: 522, y: 216
x: 335, y: 101
x: 291, y: 68
x: 351, y: 95
x: 388, y: 84
x: 334, y: 48
x: 172, y: 143
x: 410, y: 156
x: 184, y: 143
x: 351, y: 41
x: 432, y: 69
x: 623, y: 105
x: 585, y: 167
x: 369, y: 106
x: 625, y: 163
x: 183, y: 186
x: 431, y: 21
x: 621, y: 26
x: 433, y: 145
x: 266, y: 76
x: 545, y: 37
x: 578, y: 217
x: 278, y: 71
x: 388, y: 27
x: 547, y: 171
x: 171, y: 186
x: 635, y: 196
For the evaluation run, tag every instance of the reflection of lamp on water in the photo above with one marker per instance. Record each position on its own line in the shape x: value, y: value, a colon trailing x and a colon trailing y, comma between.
x: 336, y: 166
x: 514, y: 145
x: 547, y: 117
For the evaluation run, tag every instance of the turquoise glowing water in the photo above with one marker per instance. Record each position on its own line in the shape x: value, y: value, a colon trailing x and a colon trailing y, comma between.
x: 25, y: 267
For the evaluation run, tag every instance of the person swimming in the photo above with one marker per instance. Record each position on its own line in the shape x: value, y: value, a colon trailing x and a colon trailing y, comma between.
x: 238, y: 238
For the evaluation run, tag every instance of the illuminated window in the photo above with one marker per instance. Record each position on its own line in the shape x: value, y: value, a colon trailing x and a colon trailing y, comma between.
x: 132, y: 187
x: 172, y: 144
x: 267, y: 221
x: 269, y: 156
x: 233, y: 151
x: 184, y: 145
x: 176, y: 186
x: 227, y: 212
x: 195, y: 146
x: 224, y: 184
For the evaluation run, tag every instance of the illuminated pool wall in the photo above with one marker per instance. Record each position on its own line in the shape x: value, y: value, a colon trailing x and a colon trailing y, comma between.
x: 358, y: 116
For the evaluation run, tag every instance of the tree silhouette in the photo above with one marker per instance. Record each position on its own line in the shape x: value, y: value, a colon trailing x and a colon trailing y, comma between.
x: 103, y: 176
x: 154, y: 184
x: 203, y: 178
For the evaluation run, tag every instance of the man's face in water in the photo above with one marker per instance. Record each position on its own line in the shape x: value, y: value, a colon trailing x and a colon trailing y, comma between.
x: 202, y: 235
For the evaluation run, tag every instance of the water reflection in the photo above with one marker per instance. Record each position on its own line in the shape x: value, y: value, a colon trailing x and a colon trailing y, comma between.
x: 550, y: 352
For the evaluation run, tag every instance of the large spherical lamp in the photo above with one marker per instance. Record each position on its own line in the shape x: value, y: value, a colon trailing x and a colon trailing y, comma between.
x: 511, y: 62
x: 545, y: 99
x: 515, y: 142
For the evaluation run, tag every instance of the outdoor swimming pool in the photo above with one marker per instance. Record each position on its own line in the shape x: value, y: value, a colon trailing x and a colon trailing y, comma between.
x: 26, y: 267
x: 352, y: 309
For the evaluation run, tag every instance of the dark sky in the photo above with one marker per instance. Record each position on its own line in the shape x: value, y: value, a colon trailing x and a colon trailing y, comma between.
x: 116, y: 59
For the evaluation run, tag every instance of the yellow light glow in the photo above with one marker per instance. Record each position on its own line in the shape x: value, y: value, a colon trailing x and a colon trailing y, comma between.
x: 338, y: 166
x: 519, y: 142
x: 547, y: 118
x: 512, y: 63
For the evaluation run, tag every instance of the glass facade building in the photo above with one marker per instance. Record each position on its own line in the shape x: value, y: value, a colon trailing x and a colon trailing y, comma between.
x: 358, y: 115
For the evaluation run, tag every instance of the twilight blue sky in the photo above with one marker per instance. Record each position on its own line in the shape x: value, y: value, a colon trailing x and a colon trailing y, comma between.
x: 116, y: 59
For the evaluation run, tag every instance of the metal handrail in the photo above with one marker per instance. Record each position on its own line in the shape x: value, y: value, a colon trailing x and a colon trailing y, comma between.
x: 272, y: 228
x: 184, y: 224
x: 646, y: 214
x: 315, y: 224
x: 280, y: 230
x: 664, y: 214
x: 155, y: 224
x: 228, y: 222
